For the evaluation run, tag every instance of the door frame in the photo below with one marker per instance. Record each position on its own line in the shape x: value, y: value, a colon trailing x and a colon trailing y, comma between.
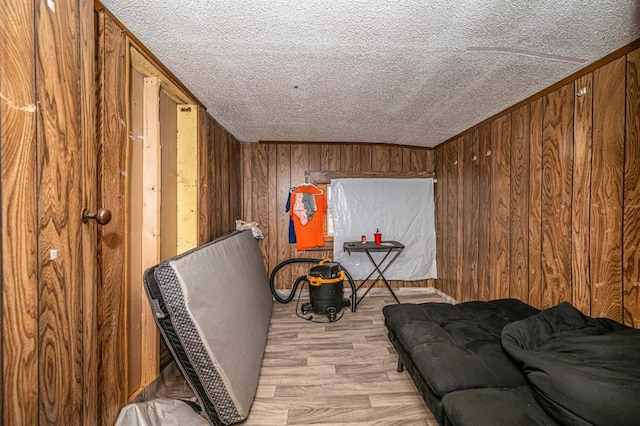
x: 117, y: 54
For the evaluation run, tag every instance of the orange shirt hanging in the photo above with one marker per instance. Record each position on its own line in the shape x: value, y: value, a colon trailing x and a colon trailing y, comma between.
x: 312, y: 233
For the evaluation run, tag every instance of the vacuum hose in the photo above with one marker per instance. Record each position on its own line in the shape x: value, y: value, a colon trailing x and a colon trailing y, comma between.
x: 302, y: 278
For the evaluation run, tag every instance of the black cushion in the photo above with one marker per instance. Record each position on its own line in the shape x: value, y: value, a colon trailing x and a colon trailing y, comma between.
x: 494, y: 407
x: 457, y: 347
x: 582, y: 370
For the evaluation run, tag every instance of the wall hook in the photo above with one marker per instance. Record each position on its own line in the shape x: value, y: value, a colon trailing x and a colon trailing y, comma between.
x: 474, y: 157
x: 455, y: 163
x: 488, y: 153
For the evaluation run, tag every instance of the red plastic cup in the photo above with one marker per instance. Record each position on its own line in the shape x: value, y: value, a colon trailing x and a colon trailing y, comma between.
x: 377, y: 237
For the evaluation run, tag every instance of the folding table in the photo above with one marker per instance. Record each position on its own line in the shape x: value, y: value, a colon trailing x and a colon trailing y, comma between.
x: 388, y: 247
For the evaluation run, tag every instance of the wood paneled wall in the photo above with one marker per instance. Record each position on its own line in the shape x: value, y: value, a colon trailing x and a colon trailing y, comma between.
x: 631, y: 195
x: 19, y: 194
x: 270, y: 169
x: 223, y: 188
x: 541, y: 203
x: 47, y: 110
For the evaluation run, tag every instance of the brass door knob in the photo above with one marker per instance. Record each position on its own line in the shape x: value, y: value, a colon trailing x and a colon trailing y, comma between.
x: 102, y: 216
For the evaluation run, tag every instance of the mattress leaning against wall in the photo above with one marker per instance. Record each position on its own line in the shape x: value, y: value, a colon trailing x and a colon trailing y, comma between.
x: 213, y: 307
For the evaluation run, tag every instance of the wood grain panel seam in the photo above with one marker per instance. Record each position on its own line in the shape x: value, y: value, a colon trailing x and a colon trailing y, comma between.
x: 631, y: 193
x: 624, y: 162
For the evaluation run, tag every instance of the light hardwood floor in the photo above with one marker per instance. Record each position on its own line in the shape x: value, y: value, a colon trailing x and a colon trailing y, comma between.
x: 342, y: 373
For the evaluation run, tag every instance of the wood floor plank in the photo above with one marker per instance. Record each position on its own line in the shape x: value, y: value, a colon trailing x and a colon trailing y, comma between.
x: 384, y: 422
x: 365, y: 366
x: 317, y: 401
x: 374, y: 388
x: 297, y: 371
x: 288, y: 362
x: 369, y: 345
x: 282, y: 334
x: 324, y: 379
x: 401, y: 398
x: 266, y: 392
x: 350, y: 353
x: 370, y: 357
x: 263, y: 415
x: 395, y: 377
x: 402, y: 414
x: 289, y: 346
x: 336, y: 334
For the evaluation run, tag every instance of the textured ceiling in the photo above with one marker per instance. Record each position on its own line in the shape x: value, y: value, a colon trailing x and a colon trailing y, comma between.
x: 407, y: 72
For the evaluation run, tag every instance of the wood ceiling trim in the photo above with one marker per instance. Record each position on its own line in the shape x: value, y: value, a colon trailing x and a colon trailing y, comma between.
x: 321, y: 177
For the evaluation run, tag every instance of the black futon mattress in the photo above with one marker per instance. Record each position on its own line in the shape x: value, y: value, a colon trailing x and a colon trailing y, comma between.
x: 504, y: 362
x: 447, y: 348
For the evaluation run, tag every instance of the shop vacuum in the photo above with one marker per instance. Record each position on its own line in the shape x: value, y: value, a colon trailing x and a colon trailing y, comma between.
x: 326, y: 289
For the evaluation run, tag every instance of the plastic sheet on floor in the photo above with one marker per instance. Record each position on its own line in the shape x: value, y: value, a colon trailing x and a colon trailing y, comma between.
x: 160, y: 411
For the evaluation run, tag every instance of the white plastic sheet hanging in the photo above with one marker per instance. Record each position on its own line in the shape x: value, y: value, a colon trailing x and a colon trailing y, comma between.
x: 402, y: 209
